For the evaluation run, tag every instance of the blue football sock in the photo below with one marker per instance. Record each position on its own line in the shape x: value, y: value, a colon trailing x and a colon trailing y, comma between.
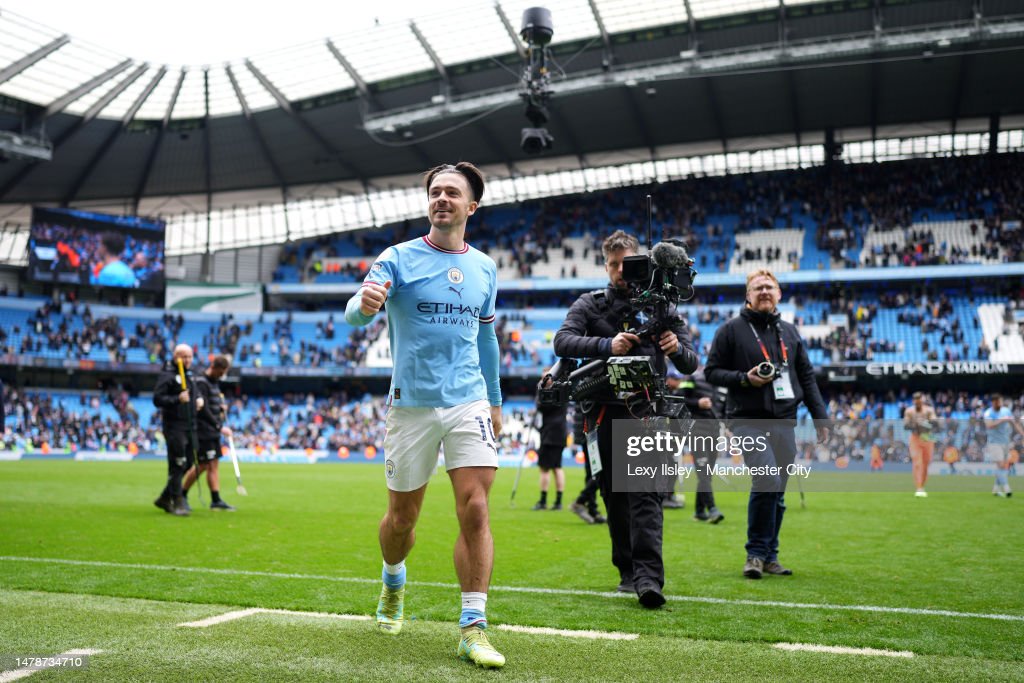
x: 473, y: 606
x: 394, y: 580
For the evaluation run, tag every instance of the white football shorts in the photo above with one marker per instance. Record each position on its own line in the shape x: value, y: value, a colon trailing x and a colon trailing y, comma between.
x: 414, y: 436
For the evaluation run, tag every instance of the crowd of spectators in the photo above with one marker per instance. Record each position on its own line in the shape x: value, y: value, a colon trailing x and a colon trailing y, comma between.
x: 862, y: 430
x: 840, y: 203
x: 73, y: 331
x: 867, y: 424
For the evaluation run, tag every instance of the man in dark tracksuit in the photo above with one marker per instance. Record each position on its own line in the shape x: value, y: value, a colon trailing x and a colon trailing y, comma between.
x: 175, y: 401
x: 698, y: 395
x: 755, y: 336
x: 553, y: 432
x: 209, y: 428
x: 593, y: 329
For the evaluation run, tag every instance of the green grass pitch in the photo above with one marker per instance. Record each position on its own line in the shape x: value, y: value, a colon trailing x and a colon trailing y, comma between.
x: 86, y: 561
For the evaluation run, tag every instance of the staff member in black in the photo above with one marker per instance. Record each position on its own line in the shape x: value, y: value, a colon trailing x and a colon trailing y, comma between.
x: 553, y: 432
x: 698, y: 395
x: 755, y: 336
x: 593, y: 329
x: 210, y: 427
x: 174, y: 400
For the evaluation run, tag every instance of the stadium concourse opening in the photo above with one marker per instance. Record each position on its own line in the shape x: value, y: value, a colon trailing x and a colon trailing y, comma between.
x: 245, y: 263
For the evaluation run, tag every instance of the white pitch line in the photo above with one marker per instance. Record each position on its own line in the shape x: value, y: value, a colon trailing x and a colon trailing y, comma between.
x: 242, y: 613
x: 546, y: 631
x: 837, y: 650
x: 322, y: 615
x: 221, y: 618
x: 881, y: 609
x: 535, y: 630
x: 17, y: 674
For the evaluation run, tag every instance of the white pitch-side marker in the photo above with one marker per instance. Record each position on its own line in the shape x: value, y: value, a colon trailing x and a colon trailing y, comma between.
x: 242, y: 613
x: 23, y: 672
x: 837, y: 650
x: 546, y: 631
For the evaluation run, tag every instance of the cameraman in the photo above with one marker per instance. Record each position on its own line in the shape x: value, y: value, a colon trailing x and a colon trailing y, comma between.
x: 755, y: 337
x: 594, y: 328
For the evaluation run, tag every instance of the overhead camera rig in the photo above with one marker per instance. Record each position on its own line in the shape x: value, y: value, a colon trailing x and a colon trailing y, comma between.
x: 537, y: 30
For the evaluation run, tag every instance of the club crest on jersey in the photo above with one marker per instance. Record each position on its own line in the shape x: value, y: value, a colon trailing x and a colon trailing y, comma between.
x: 389, y: 468
x: 377, y: 266
x: 455, y: 276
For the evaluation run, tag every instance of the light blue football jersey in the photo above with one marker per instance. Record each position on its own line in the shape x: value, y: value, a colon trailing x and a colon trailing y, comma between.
x: 999, y: 435
x: 437, y: 302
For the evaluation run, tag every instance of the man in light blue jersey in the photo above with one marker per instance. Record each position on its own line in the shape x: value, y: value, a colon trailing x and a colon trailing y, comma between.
x: 1000, y: 423
x: 113, y: 272
x: 440, y: 296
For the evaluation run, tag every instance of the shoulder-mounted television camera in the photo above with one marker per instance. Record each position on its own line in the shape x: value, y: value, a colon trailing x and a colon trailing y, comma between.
x: 632, y: 379
x: 659, y: 281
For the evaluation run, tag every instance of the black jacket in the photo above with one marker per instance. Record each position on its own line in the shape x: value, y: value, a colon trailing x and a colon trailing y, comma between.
x: 211, y: 418
x: 596, y: 317
x: 165, y: 397
x: 692, y: 390
x: 554, y: 426
x: 735, y: 351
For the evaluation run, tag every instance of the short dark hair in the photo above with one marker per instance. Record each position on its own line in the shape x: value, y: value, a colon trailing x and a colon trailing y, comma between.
x: 473, y: 175
x: 619, y: 240
x: 221, y: 362
x: 113, y: 242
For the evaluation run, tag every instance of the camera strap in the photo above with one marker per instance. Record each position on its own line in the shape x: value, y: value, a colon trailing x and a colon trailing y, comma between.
x: 764, y: 350
x: 782, y: 386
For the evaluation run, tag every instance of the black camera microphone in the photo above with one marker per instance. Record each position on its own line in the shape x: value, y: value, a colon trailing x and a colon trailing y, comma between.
x: 669, y: 256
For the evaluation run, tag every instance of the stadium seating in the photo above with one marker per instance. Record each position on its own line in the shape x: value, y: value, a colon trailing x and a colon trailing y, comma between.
x: 818, y: 221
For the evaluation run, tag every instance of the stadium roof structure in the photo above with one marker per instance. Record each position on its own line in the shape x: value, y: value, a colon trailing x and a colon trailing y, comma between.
x: 359, y: 110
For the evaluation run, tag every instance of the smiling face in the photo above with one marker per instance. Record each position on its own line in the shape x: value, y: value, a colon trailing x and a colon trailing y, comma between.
x: 763, y: 294
x: 450, y: 201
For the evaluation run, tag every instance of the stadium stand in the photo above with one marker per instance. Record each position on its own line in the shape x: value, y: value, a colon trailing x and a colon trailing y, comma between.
x: 812, y: 219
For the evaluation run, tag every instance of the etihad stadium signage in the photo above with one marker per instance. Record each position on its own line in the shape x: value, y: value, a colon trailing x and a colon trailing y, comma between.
x: 966, y: 367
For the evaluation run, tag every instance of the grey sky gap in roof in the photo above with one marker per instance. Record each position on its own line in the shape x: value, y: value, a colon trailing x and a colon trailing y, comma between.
x: 128, y: 129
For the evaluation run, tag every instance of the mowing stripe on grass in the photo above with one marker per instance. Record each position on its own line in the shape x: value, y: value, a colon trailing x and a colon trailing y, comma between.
x: 882, y: 609
x: 546, y: 631
x: 16, y: 674
x: 241, y: 613
x: 837, y: 650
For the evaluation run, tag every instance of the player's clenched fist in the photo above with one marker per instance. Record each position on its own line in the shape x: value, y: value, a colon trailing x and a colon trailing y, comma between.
x: 373, y: 297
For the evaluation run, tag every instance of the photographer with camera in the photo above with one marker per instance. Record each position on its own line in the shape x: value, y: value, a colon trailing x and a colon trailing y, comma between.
x: 595, y: 328
x: 763, y: 362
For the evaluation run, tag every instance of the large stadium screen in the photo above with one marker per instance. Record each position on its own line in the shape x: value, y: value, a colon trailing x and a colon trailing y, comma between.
x: 84, y: 248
